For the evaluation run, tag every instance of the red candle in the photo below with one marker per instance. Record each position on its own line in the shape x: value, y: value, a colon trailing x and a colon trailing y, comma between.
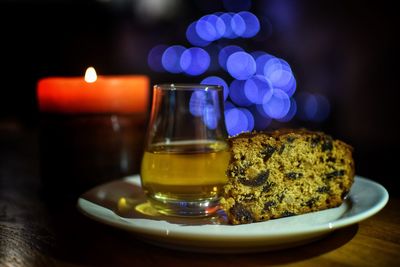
x: 92, y: 130
x: 94, y: 94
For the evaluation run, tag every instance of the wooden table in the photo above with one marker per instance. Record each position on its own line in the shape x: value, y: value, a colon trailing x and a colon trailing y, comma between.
x: 38, y: 232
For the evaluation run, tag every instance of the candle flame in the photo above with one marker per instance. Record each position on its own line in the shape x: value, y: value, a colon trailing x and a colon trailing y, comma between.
x: 90, y: 75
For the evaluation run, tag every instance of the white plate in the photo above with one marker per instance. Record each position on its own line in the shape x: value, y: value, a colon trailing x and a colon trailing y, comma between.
x: 114, y: 204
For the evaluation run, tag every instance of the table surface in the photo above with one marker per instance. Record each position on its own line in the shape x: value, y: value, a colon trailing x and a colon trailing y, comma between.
x: 38, y: 232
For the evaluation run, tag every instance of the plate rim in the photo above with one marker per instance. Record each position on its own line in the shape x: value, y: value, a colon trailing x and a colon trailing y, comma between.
x: 183, y: 232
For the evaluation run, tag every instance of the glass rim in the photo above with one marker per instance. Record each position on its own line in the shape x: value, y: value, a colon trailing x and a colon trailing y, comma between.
x: 187, y: 86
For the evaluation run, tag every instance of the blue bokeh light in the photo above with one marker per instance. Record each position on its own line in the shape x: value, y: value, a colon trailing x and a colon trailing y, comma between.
x: 193, y: 37
x: 290, y: 87
x: 324, y: 108
x: 210, y: 116
x: 241, y: 65
x: 238, y: 25
x: 218, y: 24
x: 205, y: 104
x: 154, y: 58
x: 228, y: 105
x: 292, y: 111
x: 278, y: 72
x: 210, y: 28
x: 237, y: 94
x: 263, y: 85
x: 227, y: 19
x: 278, y: 105
x: 245, y: 24
x: 258, y: 89
x: 274, y: 64
x: 280, y: 78
x: 257, y: 54
x: 171, y: 58
x: 195, y: 61
x: 261, y: 61
x: 197, y: 103
x: 261, y: 120
x: 313, y: 107
x: 215, y: 80
x: 236, y: 121
x: 225, y: 53
x: 237, y: 5
x: 250, y: 119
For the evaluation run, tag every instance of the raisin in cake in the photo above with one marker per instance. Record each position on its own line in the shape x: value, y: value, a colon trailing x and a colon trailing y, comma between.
x: 284, y: 173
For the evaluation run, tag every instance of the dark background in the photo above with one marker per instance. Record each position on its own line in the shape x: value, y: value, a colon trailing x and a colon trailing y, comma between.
x: 346, y: 50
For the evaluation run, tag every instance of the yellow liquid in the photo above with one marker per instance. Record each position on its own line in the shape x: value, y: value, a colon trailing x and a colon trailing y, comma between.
x: 188, y: 171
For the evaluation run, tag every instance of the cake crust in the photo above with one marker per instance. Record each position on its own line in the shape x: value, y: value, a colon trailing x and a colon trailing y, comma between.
x: 283, y: 173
